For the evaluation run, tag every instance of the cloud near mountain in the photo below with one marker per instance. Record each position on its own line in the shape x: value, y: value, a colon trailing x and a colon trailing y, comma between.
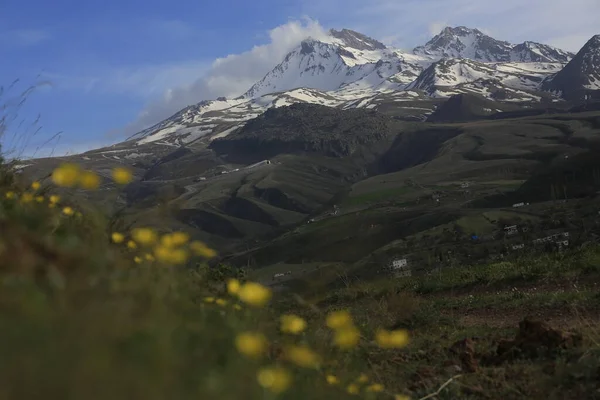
x: 231, y: 75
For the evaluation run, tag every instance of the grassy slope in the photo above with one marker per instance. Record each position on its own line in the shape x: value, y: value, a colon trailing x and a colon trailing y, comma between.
x: 81, y: 320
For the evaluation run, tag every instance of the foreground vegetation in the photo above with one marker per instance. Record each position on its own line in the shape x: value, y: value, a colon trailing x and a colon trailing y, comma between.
x: 90, y: 312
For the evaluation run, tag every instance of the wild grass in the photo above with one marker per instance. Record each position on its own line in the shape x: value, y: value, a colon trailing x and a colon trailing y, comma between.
x: 90, y: 312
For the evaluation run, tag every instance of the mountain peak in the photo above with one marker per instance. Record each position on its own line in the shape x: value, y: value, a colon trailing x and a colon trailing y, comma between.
x: 356, y: 40
x: 460, y: 31
x: 463, y: 42
x: 581, y: 75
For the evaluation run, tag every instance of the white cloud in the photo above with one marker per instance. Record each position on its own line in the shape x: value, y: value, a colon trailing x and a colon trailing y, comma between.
x: 512, y: 20
x: 232, y: 75
x: 23, y: 37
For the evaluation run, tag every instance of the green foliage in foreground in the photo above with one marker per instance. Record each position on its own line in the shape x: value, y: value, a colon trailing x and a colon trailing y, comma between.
x: 80, y: 319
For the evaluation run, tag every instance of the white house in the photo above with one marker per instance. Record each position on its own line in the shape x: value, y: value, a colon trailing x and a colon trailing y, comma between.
x: 399, y: 263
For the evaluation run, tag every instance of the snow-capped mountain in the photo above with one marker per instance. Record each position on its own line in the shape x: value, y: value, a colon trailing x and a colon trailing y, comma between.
x: 581, y: 74
x: 462, y: 42
x: 454, y: 75
x: 350, y: 70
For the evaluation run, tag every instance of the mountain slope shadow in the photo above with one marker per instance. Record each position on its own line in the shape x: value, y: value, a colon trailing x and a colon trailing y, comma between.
x: 242, y: 208
x: 209, y: 222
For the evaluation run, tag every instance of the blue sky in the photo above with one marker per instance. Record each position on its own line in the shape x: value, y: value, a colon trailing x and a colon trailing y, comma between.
x: 116, y: 66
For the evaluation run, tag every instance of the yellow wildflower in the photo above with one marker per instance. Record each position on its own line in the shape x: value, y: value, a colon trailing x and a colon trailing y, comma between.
x: 179, y: 238
x: 292, y: 324
x: 200, y: 249
x: 338, y: 319
x: 131, y: 245
x: 237, y: 307
x: 117, y: 237
x: 39, y: 199
x: 302, y: 356
x: 54, y: 199
x: 233, y: 286
x: 209, y: 299
x: 66, y: 175
x: 122, y: 176
x: 254, y: 294
x: 170, y: 256
x: 251, y: 344
x: 375, y: 387
x: 391, y: 339
x: 353, y: 388
x: 89, y: 180
x: 68, y: 211
x: 221, y: 302
x: 346, y: 338
x: 35, y: 185
x: 276, y: 379
x: 10, y: 195
x: 149, y: 257
x: 174, y: 239
x: 363, y: 378
x: 137, y: 259
x: 401, y: 397
x: 144, y: 236
x: 332, y: 380
x: 27, y: 198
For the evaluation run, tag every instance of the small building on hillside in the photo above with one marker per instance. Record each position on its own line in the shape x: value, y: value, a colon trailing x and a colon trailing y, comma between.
x: 400, y: 268
x: 511, y: 230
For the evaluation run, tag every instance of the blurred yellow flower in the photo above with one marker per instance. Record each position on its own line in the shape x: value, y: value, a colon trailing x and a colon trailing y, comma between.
x: 66, y: 175
x: 131, y: 245
x: 375, y: 387
x: 149, y: 257
x: 276, y: 379
x: 27, y: 198
x: 233, y: 286
x: 137, y: 259
x: 338, y: 319
x: 346, y: 338
x: 391, y: 339
x: 54, y: 199
x: 254, y: 294
x: 10, y: 195
x: 353, y: 388
x: 209, y: 299
x: 221, y: 302
x: 117, y: 237
x: 39, y: 199
x: 237, y: 307
x: 89, y: 180
x: 200, y: 249
x: 292, y: 324
x: 332, y: 380
x: 179, y: 238
x: 401, y: 397
x: 363, y: 378
x: 302, y: 356
x: 78, y: 214
x: 68, y: 211
x: 144, y: 236
x: 170, y: 256
x: 122, y: 176
x: 251, y: 344
x: 35, y: 185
